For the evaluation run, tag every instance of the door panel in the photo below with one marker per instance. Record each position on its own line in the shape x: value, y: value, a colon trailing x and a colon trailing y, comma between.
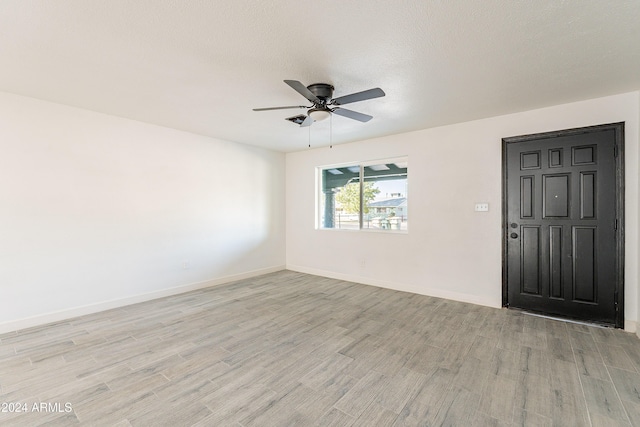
x: 555, y: 196
x: 530, y: 260
x: 585, y: 259
x: 563, y: 205
x: 526, y: 197
x: 587, y: 195
x: 555, y: 262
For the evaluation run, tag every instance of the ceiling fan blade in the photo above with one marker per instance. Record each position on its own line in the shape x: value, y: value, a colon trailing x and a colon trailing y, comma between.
x: 352, y: 114
x: 302, y: 90
x: 360, y: 96
x: 307, y: 122
x: 279, y: 108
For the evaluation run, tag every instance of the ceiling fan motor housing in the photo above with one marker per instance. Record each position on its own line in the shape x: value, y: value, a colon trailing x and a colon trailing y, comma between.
x: 323, y: 91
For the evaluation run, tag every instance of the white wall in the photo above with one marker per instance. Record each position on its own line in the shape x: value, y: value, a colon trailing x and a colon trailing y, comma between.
x: 98, y: 211
x: 450, y: 250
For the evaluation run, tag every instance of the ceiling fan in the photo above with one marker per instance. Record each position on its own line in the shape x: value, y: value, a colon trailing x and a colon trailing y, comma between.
x: 320, y: 95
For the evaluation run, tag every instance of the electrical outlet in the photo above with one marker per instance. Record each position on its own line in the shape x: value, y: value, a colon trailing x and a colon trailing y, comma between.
x: 482, y: 207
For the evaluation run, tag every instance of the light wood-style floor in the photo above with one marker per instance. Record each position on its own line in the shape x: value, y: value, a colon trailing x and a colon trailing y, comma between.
x: 290, y: 349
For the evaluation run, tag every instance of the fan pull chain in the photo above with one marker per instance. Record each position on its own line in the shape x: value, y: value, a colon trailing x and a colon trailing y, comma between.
x: 331, y: 131
x: 309, y: 136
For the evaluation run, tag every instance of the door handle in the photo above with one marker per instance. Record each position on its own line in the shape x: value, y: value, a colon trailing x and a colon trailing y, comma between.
x: 514, y: 235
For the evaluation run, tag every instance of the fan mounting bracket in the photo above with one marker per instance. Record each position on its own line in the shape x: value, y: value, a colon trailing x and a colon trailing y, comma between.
x: 322, y: 91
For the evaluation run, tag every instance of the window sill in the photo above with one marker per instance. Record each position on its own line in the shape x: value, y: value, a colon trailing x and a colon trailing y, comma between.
x: 365, y: 230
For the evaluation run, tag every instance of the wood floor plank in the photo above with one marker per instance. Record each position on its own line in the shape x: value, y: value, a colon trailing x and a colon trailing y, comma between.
x: 598, y: 420
x: 510, y: 339
x: 505, y: 363
x: 458, y: 408
x: 356, y: 400
x: 603, y: 400
x: 335, y: 418
x: 533, y: 394
x: 482, y: 348
x: 499, y: 397
x: 171, y: 415
x: 375, y: 415
x: 115, y: 406
x: 472, y: 375
x: 560, y: 348
x: 531, y: 419
x: 237, y: 404
x: 632, y: 350
x: 137, y: 379
x: 534, y: 361
x: 232, y: 380
x: 281, y: 409
x: 324, y: 401
x: 423, y: 408
x: 292, y: 372
x: 400, y: 389
x: 44, y: 419
x: 627, y: 384
x: 633, y: 411
x: 425, y: 359
x: 590, y: 364
x: 568, y: 409
x: 615, y: 356
x: 564, y: 376
x: 326, y: 372
x: 556, y: 328
x: 581, y: 338
x: 483, y: 420
x: 535, y: 337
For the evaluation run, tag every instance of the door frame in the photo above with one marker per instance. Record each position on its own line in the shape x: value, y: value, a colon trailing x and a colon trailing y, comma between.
x: 618, y: 128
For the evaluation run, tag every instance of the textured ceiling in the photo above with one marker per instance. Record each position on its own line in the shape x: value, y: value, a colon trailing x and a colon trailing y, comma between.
x: 201, y: 66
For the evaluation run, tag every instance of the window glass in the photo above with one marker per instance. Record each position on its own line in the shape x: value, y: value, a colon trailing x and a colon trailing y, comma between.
x: 381, y: 187
x: 340, y: 198
x: 385, y: 197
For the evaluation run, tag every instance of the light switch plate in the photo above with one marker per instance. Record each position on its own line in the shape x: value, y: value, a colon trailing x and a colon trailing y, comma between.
x: 482, y: 207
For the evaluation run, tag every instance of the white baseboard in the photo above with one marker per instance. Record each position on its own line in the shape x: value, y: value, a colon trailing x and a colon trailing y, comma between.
x: 57, y: 316
x: 439, y: 293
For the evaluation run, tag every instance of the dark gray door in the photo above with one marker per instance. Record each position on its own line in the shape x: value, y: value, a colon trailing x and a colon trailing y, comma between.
x: 563, y: 223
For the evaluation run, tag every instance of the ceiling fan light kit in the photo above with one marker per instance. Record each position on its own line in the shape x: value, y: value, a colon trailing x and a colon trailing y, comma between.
x: 318, y: 115
x: 320, y: 95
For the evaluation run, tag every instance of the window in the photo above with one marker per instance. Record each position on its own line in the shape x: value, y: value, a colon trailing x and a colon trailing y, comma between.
x: 380, y: 187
